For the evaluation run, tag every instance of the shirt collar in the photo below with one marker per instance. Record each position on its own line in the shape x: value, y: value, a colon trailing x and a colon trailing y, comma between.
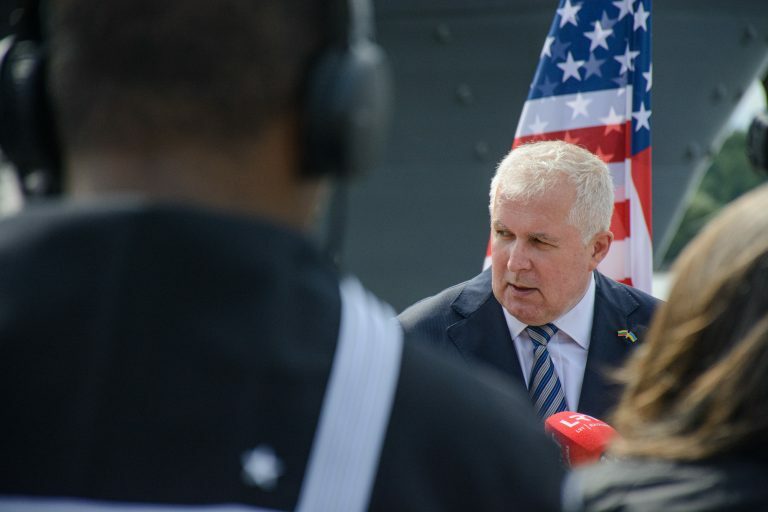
x: 576, y: 323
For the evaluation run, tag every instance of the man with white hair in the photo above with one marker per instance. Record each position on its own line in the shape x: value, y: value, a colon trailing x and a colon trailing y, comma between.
x: 542, y: 313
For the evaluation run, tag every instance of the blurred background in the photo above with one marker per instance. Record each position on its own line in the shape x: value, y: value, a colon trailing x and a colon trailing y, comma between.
x: 462, y: 68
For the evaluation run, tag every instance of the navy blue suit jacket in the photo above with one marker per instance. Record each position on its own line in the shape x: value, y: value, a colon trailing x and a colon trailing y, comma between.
x: 468, y: 320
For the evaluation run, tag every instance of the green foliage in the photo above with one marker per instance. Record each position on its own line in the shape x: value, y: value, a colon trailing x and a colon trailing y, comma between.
x: 729, y: 176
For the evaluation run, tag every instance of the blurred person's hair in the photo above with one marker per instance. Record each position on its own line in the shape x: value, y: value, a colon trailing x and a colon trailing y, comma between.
x: 698, y: 386
x: 533, y: 169
x: 138, y: 73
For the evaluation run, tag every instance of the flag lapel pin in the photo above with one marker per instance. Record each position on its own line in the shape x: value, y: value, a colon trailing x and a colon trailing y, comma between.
x: 628, y: 335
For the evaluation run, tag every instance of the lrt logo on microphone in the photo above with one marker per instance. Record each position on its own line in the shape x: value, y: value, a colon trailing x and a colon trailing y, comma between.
x: 582, y: 421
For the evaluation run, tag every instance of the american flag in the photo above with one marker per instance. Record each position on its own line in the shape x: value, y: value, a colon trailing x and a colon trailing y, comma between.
x: 592, y: 87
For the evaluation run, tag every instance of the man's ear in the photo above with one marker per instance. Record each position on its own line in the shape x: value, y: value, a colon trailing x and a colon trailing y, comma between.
x: 599, y: 246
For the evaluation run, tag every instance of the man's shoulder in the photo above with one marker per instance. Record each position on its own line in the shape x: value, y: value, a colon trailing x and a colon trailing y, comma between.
x: 432, y: 370
x: 468, y: 397
x: 432, y: 305
x: 440, y: 310
x: 615, y: 291
x: 452, y: 422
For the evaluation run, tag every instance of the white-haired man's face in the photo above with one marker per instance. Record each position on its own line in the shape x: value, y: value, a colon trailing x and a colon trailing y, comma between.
x: 540, y: 264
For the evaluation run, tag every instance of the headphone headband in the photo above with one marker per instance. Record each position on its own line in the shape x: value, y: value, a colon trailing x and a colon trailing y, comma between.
x: 361, y: 20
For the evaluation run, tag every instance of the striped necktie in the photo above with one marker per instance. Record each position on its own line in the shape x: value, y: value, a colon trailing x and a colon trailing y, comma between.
x: 544, y: 386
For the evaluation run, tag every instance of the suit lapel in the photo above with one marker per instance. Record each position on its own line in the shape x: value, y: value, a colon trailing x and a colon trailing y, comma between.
x: 607, y: 350
x: 481, y: 333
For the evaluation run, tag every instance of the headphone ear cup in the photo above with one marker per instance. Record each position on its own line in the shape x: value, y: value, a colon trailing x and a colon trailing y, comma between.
x: 27, y: 134
x: 347, y: 111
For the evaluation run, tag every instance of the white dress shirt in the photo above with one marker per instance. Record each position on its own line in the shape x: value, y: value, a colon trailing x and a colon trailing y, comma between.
x: 568, y: 348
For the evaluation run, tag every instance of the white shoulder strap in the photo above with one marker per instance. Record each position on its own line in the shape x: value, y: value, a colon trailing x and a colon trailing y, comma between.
x: 357, y: 404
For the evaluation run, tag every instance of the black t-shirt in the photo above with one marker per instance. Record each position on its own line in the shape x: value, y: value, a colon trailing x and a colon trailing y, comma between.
x: 145, y: 349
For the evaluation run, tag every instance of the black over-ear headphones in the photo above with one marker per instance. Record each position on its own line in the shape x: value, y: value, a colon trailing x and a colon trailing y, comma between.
x: 348, y: 98
x: 27, y: 131
x: 346, y: 106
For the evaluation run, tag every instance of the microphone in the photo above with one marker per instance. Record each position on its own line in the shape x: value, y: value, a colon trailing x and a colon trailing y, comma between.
x: 582, y: 438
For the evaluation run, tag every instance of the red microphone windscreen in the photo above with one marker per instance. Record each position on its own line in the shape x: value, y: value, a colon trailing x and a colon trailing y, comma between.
x: 582, y: 438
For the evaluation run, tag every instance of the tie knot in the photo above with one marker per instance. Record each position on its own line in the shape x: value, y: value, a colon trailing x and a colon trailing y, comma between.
x: 541, y: 334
